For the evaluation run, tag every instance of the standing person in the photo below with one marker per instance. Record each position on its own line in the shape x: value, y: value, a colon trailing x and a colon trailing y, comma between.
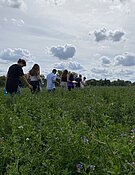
x: 34, y: 77
x: 83, y: 83
x: 71, y: 82
x: 14, y: 75
x: 51, y: 80
x: 79, y: 81
x: 64, y: 79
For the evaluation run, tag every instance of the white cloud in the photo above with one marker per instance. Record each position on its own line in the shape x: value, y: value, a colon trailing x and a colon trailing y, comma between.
x: 69, y: 65
x: 127, y: 59
x: 116, y: 35
x: 55, y: 2
x: 12, y: 22
x: 3, y: 61
x: 5, y: 19
x: 104, y: 34
x: 63, y: 52
x: 101, y: 73
x: 19, y: 4
x: 105, y: 60
x: 17, y: 22
x: 13, y: 55
x: 126, y: 72
x: 49, y: 23
x: 100, y: 35
x: 122, y: 1
x: 99, y: 70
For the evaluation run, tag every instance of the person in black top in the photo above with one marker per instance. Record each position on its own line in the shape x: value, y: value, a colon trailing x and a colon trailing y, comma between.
x: 78, y: 80
x: 14, y: 75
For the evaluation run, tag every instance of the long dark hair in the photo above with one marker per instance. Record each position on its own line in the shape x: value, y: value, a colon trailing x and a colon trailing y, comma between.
x: 64, y: 74
x: 71, y: 77
x: 35, y: 70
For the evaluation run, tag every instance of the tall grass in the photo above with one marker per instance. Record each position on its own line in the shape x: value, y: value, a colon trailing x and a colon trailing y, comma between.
x: 87, y: 131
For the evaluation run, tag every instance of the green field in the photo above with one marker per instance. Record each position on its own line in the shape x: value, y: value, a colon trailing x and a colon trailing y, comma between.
x: 87, y: 131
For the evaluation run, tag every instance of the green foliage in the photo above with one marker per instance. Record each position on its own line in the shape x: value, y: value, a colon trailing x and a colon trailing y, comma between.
x: 2, y: 81
x: 86, y: 131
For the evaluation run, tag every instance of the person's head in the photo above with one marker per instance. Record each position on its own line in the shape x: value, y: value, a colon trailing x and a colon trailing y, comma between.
x: 80, y: 76
x: 35, y: 70
x: 21, y: 62
x: 84, y: 78
x: 54, y: 71
x: 71, y: 75
x: 36, y: 67
x: 65, y: 72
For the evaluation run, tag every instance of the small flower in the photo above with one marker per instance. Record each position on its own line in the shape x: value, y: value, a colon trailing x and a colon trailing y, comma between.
x: 79, y: 167
x: 132, y: 163
x: 20, y: 127
x: 133, y: 130
x: 90, y: 168
x: 123, y: 135
x: 132, y: 136
x: 85, y: 140
x: 1, y: 139
x: 27, y: 139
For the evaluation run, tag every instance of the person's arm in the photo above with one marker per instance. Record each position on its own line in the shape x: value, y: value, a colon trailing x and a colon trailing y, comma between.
x: 28, y: 76
x: 38, y: 77
x: 68, y: 79
x: 54, y: 80
x: 23, y: 78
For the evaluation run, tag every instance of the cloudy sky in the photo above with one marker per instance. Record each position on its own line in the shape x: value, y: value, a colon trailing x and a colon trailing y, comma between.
x: 93, y: 37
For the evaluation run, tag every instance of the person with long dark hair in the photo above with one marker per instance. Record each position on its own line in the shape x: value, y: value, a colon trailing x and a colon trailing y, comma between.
x: 14, y: 76
x: 64, y: 79
x: 34, y: 77
x: 71, y: 81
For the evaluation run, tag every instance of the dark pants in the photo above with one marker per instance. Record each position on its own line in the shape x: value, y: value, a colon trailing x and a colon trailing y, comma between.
x: 70, y: 87
x: 11, y: 86
x: 35, y: 85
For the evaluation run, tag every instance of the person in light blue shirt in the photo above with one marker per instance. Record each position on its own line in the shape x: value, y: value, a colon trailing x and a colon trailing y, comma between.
x: 51, y: 80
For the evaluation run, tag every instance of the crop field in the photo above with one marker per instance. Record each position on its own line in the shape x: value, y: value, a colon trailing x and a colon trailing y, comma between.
x: 86, y: 131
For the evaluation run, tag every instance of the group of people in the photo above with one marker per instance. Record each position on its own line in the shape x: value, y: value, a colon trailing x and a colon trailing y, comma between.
x: 15, y: 77
x: 70, y: 81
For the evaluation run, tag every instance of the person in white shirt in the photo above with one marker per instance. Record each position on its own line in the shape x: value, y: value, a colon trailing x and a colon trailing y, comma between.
x: 51, y: 80
x: 83, y: 83
x: 34, y: 77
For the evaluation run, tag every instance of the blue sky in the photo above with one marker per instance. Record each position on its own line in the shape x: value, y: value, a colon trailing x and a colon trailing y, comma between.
x: 94, y: 38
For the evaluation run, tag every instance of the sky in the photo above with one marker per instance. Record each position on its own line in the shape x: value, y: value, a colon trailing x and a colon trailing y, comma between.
x: 95, y: 38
